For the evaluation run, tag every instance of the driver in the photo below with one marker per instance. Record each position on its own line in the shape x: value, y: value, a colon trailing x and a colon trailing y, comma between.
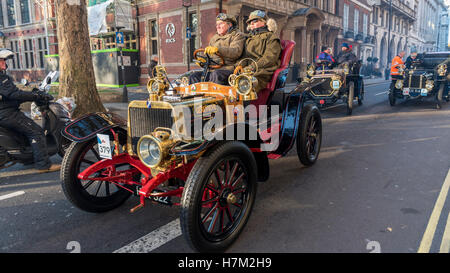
x: 326, y: 58
x: 229, y: 43
x: 263, y: 46
x: 12, y: 118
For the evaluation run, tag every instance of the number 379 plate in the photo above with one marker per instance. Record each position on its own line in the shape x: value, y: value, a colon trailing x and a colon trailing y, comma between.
x: 104, y: 146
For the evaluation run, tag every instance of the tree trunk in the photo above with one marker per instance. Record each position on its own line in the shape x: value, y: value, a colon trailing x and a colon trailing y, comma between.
x: 77, y: 77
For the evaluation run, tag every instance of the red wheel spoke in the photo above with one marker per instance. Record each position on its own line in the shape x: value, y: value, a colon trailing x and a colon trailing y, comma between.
x: 233, y: 172
x: 209, y: 201
x: 239, y: 190
x: 214, y: 220
x: 205, y: 218
x: 237, y: 180
x: 209, y: 187
x: 229, y: 214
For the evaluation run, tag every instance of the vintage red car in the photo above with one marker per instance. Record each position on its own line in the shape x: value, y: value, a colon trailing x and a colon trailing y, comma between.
x: 173, y: 150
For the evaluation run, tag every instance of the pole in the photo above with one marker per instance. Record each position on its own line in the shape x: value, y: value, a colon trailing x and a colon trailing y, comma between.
x: 124, y: 90
x: 389, y: 41
x: 188, y: 41
x: 124, y: 82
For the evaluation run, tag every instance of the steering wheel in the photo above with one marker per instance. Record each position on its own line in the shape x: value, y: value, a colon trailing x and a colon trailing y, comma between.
x: 204, y: 60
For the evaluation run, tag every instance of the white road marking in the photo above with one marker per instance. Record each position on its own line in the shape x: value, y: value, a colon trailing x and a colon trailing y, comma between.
x: 382, y: 93
x: 428, y: 236
x: 445, y: 244
x: 11, y: 195
x: 154, y: 239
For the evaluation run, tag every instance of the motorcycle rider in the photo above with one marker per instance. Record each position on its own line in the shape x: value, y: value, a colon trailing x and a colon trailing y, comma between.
x: 12, y: 118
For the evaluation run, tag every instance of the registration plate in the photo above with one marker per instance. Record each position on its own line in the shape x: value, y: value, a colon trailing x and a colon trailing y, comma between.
x: 104, y: 146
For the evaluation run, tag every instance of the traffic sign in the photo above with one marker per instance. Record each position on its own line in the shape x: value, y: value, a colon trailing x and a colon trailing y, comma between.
x: 119, y: 38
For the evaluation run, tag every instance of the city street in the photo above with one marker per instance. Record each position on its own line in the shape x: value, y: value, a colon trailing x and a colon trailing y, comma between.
x: 380, y: 185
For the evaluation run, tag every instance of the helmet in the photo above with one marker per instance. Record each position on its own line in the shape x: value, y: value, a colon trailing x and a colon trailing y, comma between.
x: 6, y: 54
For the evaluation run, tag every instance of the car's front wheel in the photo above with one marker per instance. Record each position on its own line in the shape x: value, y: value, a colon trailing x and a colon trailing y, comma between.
x: 218, y: 197
x: 440, y: 96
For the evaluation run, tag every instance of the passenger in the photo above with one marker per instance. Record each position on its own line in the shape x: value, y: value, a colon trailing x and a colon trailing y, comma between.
x: 346, y: 55
x: 229, y: 43
x: 263, y: 46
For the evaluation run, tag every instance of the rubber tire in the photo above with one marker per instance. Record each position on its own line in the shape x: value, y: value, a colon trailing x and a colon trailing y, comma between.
x: 308, y: 111
x: 72, y: 187
x: 440, y: 96
x: 192, y: 195
x: 391, y: 95
x: 63, y: 146
x: 350, y: 97
x: 361, y: 94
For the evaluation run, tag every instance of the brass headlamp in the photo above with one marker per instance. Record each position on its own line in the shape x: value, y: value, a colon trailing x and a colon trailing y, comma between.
x: 442, y: 70
x: 153, y: 149
x: 310, y: 71
x: 157, y: 85
x: 243, y: 80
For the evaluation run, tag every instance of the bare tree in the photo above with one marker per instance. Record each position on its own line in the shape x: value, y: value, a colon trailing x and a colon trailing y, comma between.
x: 77, y: 77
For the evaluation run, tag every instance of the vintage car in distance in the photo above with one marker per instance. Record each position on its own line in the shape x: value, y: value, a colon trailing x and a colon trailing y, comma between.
x: 329, y: 85
x: 427, y: 77
x: 212, y: 179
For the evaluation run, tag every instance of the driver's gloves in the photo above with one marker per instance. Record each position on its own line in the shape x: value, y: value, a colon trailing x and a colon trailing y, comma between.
x: 211, y: 50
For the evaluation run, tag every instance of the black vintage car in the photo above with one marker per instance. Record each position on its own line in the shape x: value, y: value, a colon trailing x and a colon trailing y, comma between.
x: 326, y: 85
x: 427, y: 77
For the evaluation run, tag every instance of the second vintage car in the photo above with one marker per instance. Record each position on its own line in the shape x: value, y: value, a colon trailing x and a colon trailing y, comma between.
x: 330, y: 85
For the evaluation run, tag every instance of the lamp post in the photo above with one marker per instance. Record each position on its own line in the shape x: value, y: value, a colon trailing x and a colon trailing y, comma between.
x: 389, y: 31
x: 187, y: 4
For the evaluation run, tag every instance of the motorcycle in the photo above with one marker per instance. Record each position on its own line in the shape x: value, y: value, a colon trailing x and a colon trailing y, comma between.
x: 15, y: 147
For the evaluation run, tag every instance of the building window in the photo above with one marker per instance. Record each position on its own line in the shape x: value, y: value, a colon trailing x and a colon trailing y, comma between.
x: 345, y: 17
x: 194, y: 41
x: 42, y: 51
x: 1, y: 16
x: 28, y: 52
x: 365, y: 21
x: 15, y: 61
x: 10, y: 11
x: 130, y: 41
x: 25, y: 11
x: 153, y: 36
x: 356, y: 21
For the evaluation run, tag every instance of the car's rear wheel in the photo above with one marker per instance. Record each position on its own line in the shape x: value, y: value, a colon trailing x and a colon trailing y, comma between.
x: 350, y: 97
x: 361, y: 94
x: 309, y: 135
x: 440, y: 96
x: 218, y: 197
